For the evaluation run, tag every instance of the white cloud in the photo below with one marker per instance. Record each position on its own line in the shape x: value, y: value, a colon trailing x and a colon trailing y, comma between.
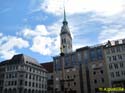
x: 39, y: 30
x: 100, y: 7
x: 42, y: 45
x: 114, y: 28
x: 8, y: 45
x: 45, y: 39
x: 111, y: 34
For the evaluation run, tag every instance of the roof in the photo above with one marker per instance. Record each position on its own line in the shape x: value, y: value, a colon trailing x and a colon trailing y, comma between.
x: 48, y: 66
x: 19, y: 58
x: 31, y: 60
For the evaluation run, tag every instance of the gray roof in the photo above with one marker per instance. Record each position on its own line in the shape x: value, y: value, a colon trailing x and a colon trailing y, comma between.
x: 30, y: 59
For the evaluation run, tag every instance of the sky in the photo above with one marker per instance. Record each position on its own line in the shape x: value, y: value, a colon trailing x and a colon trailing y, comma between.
x: 32, y: 27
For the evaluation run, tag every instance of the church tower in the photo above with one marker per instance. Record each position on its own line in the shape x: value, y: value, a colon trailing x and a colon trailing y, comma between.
x: 65, y: 37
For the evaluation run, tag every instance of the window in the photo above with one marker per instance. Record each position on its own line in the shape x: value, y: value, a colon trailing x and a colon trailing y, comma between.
x: 74, y: 76
x: 8, y: 82
x: 29, y: 76
x: 33, y: 84
x: 121, y: 65
x: 9, y: 75
x: 39, y: 85
x: 15, y: 83
x: 33, y: 70
x: 26, y: 75
x: 102, y: 79
x: 116, y: 66
x: 95, y: 81
x: 36, y: 84
x: 33, y: 77
x: 15, y: 75
x: 109, y: 58
x: 74, y: 83
x: 79, y: 56
x: 99, y: 53
x: 123, y: 41
x: 21, y: 82
x: 118, y: 49
x: 92, y: 55
x: 101, y: 71
x: 58, y: 65
x: 12, y: 83
x: 64, y: 40
x: 123, y: 73
x: 36, y: 78
x: 113, y: 50
x: 68, y: 77
x: 108, y: 51
x: 110, y: 66
x: 114, y: 58
x: 120, y: 57
x: 123, y: 47
x: 29, y: 83
x: 25, y: 83
x: 39, y: 78
x: 73, y: 59
x: 42, y: 86
x: 112, y: 74
x: 67, y: 60
x: 117, y: 74
x: 68, y: 84
x: 86, y: 56
x: 94, y: 72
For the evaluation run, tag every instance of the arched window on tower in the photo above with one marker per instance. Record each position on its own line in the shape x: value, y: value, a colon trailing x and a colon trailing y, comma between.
x: 64, y: 40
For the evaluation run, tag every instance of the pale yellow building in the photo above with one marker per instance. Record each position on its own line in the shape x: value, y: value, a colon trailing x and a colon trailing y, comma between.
x: 115, y: 61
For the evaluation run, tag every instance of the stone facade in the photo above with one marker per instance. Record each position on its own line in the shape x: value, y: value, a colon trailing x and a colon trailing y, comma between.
x: 22, y: 74
x: 90, y: 70
x: 115, y: 60
x: 49, y: 67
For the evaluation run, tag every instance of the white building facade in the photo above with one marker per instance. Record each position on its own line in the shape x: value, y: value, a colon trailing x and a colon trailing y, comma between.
x: 23, y: 74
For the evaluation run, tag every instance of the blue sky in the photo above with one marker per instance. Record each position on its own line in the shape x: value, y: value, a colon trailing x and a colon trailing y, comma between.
x: 32, y: 27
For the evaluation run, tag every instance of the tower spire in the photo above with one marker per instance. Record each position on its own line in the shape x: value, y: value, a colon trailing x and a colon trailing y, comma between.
x: 66, y: 39
x: 64, y: 14
x: 64, y: 20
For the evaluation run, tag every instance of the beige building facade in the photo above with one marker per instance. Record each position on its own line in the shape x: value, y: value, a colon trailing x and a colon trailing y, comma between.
x: 71, y: 81
x: 22, y: 74
x: 115, y: 60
